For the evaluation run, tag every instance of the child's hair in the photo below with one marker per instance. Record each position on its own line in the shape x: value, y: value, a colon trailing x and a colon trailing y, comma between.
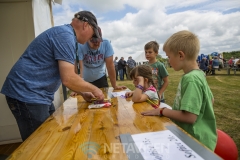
x: 152, y: 44
x: 142, y: 70
x: 184, y: 41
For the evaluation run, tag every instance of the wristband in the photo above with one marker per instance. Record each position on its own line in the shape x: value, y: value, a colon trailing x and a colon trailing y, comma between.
x: 161, y: 112
x: 140, y: 87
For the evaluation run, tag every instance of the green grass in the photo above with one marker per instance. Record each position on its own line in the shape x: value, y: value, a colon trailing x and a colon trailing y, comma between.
x: 225, y: 88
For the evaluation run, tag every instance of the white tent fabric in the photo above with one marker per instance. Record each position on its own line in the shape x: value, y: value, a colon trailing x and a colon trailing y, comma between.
x: 58, y: 1
x: 41, y: 16
x: 140, y: 58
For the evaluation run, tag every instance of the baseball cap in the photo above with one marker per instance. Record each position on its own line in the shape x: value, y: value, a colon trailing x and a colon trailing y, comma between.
x: 95, y: 39
x: 87, y: 16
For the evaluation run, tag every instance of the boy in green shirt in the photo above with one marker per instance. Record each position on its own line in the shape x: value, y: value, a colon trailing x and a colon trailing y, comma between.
x: 159, y: 72
x: 193, y: 105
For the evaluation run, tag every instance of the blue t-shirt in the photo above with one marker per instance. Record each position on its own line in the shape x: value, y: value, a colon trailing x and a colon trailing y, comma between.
x: 35, y: 76
x: 94, y: 60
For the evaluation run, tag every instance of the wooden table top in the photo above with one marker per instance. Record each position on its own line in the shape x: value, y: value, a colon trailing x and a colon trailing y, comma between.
x: 63, y: 134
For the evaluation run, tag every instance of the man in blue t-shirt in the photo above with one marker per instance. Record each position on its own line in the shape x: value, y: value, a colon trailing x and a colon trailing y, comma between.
x: 94, y: 57
x: 47, y: 62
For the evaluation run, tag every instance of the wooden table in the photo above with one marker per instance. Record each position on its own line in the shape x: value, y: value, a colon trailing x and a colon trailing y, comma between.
x: 73, y: 125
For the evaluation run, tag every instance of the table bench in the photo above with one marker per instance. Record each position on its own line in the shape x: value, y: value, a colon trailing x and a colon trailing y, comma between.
x: 234, y: 69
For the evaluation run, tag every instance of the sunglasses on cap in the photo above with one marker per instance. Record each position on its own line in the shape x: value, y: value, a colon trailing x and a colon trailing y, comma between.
x: 81, y: 18
x: 84, y: 19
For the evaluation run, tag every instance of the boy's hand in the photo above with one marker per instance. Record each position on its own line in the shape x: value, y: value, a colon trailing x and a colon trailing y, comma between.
x: 160, y: 96
x: 128, y: 94
x: 154, y: 112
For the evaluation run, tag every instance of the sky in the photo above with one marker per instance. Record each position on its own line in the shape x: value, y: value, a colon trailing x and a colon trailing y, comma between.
x: 129, y: 25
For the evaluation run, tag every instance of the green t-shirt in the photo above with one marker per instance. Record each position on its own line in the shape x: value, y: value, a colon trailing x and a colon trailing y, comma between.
x: 194, y: 95
x: 159, y: 72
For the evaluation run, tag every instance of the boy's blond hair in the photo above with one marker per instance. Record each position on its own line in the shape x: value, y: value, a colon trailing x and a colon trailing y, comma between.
x: 152, y: 44
x: 184, y: 41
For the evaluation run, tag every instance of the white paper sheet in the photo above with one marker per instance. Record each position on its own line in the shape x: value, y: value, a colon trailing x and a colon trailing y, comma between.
x: 70, y: 103
x: 163, y: 145
x: 121, y: 93
x: 162, y: 105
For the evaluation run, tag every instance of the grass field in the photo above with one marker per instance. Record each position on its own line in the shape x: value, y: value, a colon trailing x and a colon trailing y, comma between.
x: 225, y: 88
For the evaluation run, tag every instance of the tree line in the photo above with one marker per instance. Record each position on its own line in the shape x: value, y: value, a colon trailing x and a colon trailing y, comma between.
x: 228, y: 55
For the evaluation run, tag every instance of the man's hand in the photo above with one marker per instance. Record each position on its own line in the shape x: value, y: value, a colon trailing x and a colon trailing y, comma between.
x: 119, y: 87
x: 73, y: 94
x: 154, y: 112
x: 87, y: 96
x: 98, y: 94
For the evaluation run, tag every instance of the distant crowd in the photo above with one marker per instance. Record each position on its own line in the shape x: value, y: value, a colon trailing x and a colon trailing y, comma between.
x: 123, y: 67
x: 210, y: 65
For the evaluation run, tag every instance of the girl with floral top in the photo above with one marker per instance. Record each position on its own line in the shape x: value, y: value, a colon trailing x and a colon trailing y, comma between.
x: 145, y: 89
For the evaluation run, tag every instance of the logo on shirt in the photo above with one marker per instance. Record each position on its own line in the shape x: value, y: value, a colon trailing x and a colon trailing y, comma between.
x: 155, y: 71
x: 93, y: 58
x: 155, y: 76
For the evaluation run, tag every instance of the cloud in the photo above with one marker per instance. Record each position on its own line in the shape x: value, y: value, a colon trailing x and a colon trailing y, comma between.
x: 216, y: 27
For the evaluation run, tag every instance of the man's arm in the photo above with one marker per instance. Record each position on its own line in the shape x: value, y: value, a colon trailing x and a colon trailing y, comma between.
x: 74, y: 82
x: 75, y: 67
x: 111, y: 70
x: 112, y: 73
x: 81, y: 68
x: 181, y: 116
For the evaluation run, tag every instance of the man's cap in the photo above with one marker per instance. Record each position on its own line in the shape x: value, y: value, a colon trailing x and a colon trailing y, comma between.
x: 87, y: 16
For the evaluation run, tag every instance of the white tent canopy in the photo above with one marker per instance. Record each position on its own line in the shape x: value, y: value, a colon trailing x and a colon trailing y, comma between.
x: 140, y: 58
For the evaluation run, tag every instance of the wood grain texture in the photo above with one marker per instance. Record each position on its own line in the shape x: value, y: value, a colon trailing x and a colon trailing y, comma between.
x: 73, y: 126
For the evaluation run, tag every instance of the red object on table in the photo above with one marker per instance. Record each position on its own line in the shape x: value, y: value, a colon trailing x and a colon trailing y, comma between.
x: 226, y: 148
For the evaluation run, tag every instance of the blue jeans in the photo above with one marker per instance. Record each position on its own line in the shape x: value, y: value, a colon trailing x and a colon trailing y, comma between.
x: 121, y: 74
x: 29, y: 116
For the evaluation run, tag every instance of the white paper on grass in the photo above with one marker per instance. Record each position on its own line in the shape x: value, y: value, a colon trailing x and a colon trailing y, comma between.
x: 163, y: 145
